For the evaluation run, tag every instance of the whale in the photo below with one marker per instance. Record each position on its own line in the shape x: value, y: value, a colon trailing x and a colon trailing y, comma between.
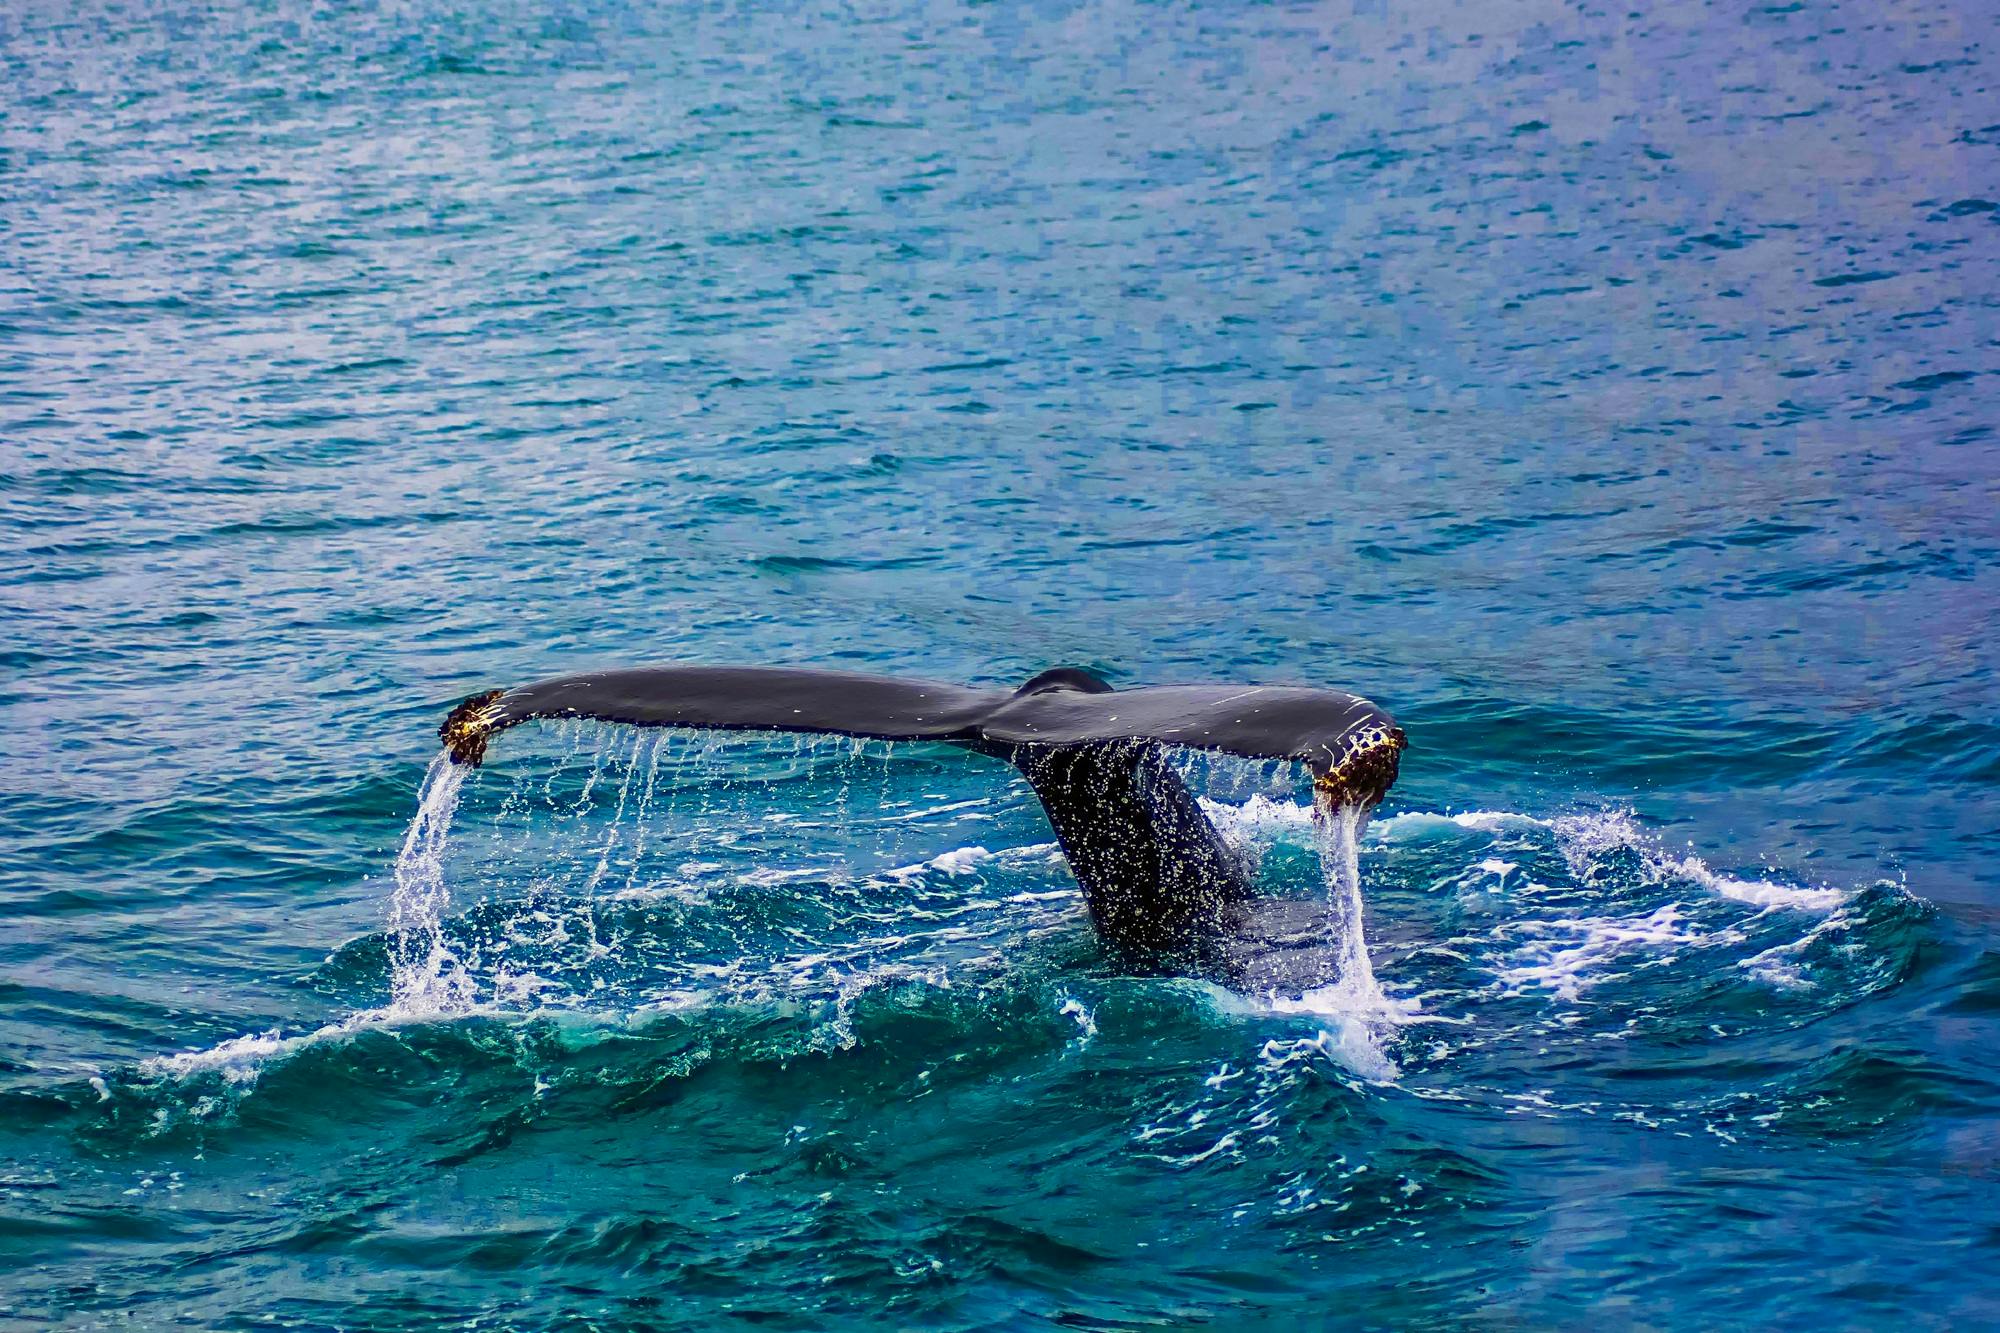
x: 1160, y: 885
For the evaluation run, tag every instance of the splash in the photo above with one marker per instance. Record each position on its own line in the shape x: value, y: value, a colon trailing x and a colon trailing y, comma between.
x: 1353, y: 973
x: 1364, y: 1017
x: 428, y: 979
x: 1586, y: 841
x: 1356, y: 1018
x: 1261, y: 819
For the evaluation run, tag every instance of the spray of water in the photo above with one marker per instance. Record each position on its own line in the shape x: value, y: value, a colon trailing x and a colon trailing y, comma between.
x: 1353, y: 974
x: 433, y: 976
x: 428, y: 979
x: 1358, y: 1016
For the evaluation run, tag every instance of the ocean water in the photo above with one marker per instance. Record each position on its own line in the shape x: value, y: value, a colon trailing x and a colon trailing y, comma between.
x: 1608, y: 392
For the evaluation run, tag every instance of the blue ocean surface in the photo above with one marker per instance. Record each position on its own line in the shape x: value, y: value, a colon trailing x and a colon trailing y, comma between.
x: 1607, y: 391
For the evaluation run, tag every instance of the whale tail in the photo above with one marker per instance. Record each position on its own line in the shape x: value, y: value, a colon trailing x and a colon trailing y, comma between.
x: 1158, y: 880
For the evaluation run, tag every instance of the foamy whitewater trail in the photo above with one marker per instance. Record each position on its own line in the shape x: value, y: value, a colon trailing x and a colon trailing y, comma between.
x: 1587, y: 838
x: 1536, y: 941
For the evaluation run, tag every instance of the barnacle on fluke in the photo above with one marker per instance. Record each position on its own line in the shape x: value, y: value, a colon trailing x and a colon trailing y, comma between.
x: 1365, y: 770
x: 467, y: 727
x: 1158, y: 879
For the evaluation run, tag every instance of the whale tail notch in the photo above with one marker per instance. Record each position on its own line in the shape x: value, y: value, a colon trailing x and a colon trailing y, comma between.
x: 1064, y: 678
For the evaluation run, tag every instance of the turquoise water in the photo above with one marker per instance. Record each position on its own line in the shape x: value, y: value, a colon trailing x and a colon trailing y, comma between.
x: 1606, y: 393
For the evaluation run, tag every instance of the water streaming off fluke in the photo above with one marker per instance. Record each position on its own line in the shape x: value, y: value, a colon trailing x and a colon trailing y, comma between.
x: 429, y: 979
x: 580, y: 832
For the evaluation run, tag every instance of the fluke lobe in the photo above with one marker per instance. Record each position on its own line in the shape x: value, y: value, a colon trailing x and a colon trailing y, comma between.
x: 1161, y: 886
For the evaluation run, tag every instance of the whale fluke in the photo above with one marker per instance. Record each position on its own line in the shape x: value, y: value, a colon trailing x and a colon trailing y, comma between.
x: 1158, y: 880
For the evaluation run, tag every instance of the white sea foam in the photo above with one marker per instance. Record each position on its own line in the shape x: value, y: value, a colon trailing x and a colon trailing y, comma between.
x: 925, y: 812
x: 1784, y: 966
x: 962, y: 861
x: 1357, y: 1017
x: 764, y: 877
x: 1358, y: 1046
x: 1352, y: 1037
x: 1085, y: 1019
x: 1766, y: 893
x: 240, y: 1060
x: 957, y: 861
x: 1565, y: 957
x: 1480, y: 821
x: 1260, y: 820
x: 1263, y: 820
x: 1586, y: 840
